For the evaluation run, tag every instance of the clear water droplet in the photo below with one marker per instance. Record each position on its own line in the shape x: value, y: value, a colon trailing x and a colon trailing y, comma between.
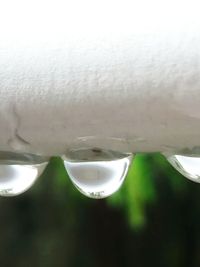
x: 95, y: 172
x: 18, y: 172
x: 187, y: 165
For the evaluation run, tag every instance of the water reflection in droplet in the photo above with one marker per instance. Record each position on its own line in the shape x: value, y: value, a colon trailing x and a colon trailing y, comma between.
x: 18, y: 172
x: 95, y: 172
x: 187, y: 165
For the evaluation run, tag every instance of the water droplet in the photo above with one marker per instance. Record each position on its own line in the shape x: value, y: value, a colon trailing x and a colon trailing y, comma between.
x: 95, y: 172
x: 18, y: 172
x: 187, y: 165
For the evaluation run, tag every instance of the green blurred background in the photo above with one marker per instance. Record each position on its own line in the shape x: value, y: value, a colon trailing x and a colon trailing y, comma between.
x: 153, y: 220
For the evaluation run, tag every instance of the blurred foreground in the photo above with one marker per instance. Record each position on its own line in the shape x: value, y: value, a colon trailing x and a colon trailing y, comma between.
x: 152, y: 221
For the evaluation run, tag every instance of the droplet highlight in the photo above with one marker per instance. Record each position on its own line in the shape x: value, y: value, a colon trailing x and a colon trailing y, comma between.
x: 97, y: 173
x: 18, y: 172
x: 187, y: 165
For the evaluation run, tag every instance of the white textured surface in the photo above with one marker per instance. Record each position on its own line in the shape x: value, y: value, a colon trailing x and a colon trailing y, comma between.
x: 121, y: 69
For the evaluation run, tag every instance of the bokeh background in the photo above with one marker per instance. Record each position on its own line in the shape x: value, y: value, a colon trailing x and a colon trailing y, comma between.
x: 153, y: 220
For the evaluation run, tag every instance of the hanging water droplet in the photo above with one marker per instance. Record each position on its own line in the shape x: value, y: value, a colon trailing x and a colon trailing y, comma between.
x: 187, y: 165
x: 18, y: 172
x: 95, y: 172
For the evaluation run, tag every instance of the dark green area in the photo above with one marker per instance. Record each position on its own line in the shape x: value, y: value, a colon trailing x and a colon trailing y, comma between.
x: 152, y: 221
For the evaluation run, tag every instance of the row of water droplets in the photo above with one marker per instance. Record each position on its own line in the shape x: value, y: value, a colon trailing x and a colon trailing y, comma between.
x: 95, y: 172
